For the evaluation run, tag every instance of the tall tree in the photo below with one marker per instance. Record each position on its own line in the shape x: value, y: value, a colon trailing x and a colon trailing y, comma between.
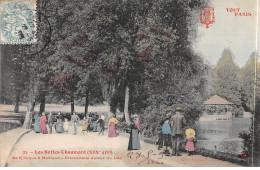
x: 247, y: 82
x: 226, y: 80
x: 117, y: 28
x: 37, y: 55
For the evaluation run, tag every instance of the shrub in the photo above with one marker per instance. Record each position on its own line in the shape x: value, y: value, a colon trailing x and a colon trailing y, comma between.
x: 246, y: 137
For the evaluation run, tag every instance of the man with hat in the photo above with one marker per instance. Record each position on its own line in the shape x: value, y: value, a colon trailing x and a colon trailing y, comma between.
x: 177, y: 122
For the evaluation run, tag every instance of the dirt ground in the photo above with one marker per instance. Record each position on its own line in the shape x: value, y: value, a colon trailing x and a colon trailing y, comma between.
x: 97, y: 151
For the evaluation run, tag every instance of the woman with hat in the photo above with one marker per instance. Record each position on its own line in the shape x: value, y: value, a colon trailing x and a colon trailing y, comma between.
x: 43, y: 121
x: 59, y: 124
x: 112, y: 126
x: 134, y: 140
x: 37, y: 123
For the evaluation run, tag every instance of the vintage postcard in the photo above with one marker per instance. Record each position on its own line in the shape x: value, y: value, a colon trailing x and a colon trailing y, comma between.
x: 129, y: 83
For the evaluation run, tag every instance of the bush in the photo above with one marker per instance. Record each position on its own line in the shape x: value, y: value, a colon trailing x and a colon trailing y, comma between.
x: 246, y: 137
x: 222, y: 156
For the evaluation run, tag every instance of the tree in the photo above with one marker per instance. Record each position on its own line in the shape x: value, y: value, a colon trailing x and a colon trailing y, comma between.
x: 116, y: 29
x: 142, y: 46
x: 111, y: 28
x: 65, y: 84
x: 247, y: 82
x: 89, y: 88
x: 226, y: 80
x: 37, y: 55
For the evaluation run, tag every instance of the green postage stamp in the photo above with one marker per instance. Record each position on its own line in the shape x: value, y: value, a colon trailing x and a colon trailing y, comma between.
x: 17, y: 21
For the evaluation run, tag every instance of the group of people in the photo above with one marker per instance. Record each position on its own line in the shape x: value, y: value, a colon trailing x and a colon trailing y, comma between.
x: 94, y: 122
x: 172, y: 132
x: 170, y: 135
x: 91, y: 122
x: 41, y: 122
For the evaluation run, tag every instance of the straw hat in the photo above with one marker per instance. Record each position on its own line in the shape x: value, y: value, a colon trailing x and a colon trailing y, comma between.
x: 178, y: 109
x: 190, y: 133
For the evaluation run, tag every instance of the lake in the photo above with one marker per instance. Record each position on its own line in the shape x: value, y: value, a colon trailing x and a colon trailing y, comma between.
x: 223, y: 134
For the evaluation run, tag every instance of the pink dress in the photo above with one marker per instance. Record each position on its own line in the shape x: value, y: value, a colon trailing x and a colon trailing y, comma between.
x: 190, y: 144
x: 112, y: 130
x: 43, y: 127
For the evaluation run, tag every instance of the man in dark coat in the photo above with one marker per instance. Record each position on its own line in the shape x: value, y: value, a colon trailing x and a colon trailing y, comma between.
x: 50, y: 121
x: 177, y: 122
x: 101, y: 123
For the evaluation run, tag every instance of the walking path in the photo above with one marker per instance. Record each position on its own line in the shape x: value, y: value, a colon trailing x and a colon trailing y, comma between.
x: 8, y: 141
x: 96, y: 151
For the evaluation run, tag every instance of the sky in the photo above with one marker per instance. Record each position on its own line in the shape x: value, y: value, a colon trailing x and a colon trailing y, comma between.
x: 237, y: 33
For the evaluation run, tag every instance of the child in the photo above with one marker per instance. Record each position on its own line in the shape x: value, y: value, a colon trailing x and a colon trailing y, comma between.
x: 84, y: 126
x: 166, y: 131
x: 66, y: 125
x: 190, y: 141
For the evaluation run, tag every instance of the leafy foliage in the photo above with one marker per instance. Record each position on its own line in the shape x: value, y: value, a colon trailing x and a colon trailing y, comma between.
x: 247, y: 82
x: 226, y: 80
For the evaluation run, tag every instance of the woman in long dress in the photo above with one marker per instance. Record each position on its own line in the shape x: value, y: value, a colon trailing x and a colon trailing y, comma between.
x: 59, y: 124
x: 112, y: 126
x: 43, y: 121
x: 37, y: 123
x: 134, y: 140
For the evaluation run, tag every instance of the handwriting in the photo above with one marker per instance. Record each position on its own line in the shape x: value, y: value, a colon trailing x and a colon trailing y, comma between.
x: 144, y: 159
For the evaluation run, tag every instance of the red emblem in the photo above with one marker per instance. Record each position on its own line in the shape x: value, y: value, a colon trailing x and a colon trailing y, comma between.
x: 207, y: 16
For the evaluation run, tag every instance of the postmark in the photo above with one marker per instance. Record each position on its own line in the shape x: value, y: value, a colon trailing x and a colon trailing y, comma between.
x: 17, y: 21
x: 207, y: 16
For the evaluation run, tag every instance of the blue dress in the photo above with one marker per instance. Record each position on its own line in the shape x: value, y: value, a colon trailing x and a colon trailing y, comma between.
x: 37, y: 123
x: 166, y: 128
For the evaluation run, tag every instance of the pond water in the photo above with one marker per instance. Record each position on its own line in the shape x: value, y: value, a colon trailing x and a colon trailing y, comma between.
x: 222, y: 134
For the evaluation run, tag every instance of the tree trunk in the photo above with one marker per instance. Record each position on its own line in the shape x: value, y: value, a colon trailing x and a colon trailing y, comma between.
x: 30, y: 109
x: 86, y: 103
x: 72, y: 103
x: 33, y: 103
x: 17, y: 101
x: 126, y: 111
x: 42, y: 100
